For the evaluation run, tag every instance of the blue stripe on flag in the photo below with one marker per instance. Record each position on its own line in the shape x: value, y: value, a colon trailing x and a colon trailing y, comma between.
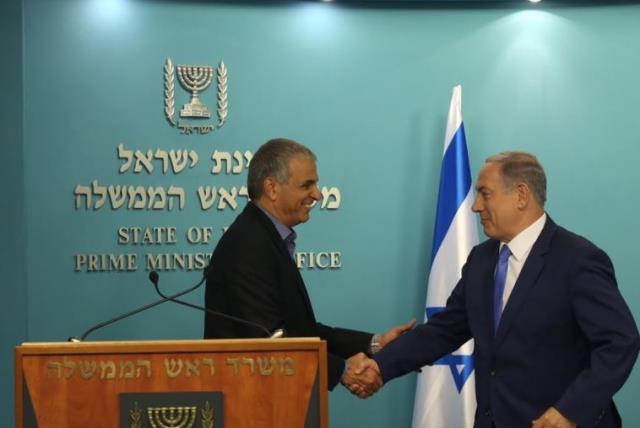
x: 455, y: 182
x: 461, y: 366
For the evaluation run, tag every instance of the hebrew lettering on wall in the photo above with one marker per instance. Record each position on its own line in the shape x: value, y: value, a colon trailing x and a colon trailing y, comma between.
x: 231, y: 163
x: 178, y: 160
x: 214, y: 193
x: 94, y: 197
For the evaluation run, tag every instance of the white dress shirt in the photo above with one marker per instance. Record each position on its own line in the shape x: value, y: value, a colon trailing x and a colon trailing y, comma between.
x: 520, y: 247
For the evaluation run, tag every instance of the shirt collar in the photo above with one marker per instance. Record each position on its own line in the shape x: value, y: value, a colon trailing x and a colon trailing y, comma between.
x: 285, y: 232
x: 522, y: 243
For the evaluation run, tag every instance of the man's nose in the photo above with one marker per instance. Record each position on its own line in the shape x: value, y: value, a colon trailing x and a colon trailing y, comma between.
x: 316, y: 194
x: 476, y: 205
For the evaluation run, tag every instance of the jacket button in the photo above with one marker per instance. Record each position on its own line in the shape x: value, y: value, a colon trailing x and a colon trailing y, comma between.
x: 487, y: 413
x: 492, y: 373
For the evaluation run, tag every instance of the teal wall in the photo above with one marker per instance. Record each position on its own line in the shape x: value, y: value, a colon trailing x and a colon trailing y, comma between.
x: 13, y: 305
x: 367, y: 88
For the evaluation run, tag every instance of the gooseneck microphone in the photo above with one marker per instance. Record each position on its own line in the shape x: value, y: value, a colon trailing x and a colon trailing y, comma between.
x: 154, y: 278
x: 164, y: 299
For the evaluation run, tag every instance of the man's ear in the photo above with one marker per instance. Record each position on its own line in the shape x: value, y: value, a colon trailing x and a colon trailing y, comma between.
x: 524, y: 195
x: 270, y: 188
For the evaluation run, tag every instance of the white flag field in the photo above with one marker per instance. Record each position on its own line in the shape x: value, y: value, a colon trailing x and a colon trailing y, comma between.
x: 445, y: 392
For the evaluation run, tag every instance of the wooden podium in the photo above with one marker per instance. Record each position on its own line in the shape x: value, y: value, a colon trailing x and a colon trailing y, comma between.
x: 267, y: 383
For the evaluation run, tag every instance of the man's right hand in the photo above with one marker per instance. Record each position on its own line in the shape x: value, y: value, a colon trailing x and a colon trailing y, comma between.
x: 362, y: 376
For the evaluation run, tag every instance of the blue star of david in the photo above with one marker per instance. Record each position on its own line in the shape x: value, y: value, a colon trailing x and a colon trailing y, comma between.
x: 466, y: 362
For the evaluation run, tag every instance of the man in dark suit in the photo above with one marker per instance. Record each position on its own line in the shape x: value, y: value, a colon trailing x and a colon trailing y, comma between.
x: 253, y: 275
x: 554, y: 339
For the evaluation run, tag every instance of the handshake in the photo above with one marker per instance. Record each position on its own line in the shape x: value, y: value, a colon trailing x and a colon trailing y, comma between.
x: 362, y: 375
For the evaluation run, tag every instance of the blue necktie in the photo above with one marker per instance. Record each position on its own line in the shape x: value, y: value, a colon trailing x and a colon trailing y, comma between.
x: 498, y: 288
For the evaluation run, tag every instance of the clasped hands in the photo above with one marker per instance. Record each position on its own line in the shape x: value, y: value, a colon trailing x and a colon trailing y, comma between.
x: 362, y: 375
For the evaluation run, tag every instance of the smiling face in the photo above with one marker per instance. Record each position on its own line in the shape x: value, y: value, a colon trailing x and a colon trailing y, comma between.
x: 291, y: 201
x: 499, y: 208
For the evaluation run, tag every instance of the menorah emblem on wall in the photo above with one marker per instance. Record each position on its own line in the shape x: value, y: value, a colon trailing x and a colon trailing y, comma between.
x: 195, y: 79
x: 172, y: 417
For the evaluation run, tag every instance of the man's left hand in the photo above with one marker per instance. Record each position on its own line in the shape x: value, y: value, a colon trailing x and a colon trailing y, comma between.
x: 552, y: 419
x: 395, y: 332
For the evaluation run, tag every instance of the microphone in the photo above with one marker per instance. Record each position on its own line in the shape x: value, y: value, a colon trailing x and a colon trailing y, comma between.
x: 154, y: 278
x: 164, y: 299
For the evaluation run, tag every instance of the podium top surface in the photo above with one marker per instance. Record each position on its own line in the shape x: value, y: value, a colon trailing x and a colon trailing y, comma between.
x: 154, y: 346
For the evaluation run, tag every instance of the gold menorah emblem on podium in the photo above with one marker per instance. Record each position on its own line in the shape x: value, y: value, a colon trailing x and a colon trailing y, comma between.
x: 172, y: 417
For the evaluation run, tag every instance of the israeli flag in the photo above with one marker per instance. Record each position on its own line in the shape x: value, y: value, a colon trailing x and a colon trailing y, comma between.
x: 445, y: 393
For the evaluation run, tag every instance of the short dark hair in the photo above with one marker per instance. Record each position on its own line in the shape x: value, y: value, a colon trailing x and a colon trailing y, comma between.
x: 522, y: 167
x: 272, y: 160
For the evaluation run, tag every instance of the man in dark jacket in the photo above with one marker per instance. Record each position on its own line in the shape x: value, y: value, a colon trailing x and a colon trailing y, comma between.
x: 253, y: 275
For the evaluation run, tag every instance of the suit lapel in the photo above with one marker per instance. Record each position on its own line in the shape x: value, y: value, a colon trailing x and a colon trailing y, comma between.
x: 527, y: 279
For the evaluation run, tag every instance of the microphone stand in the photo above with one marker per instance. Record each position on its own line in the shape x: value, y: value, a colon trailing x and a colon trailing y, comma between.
x: 154, y: 278
x: 135, y: 311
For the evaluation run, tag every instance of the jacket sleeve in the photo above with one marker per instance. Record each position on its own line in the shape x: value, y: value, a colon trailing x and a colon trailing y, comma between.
x: 606, y: 321
x: 443, y: 333
x: 342, y: 343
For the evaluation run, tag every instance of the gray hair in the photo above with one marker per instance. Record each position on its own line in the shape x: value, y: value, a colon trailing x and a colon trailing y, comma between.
x: 522, y: 167
x: 272, y: 160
